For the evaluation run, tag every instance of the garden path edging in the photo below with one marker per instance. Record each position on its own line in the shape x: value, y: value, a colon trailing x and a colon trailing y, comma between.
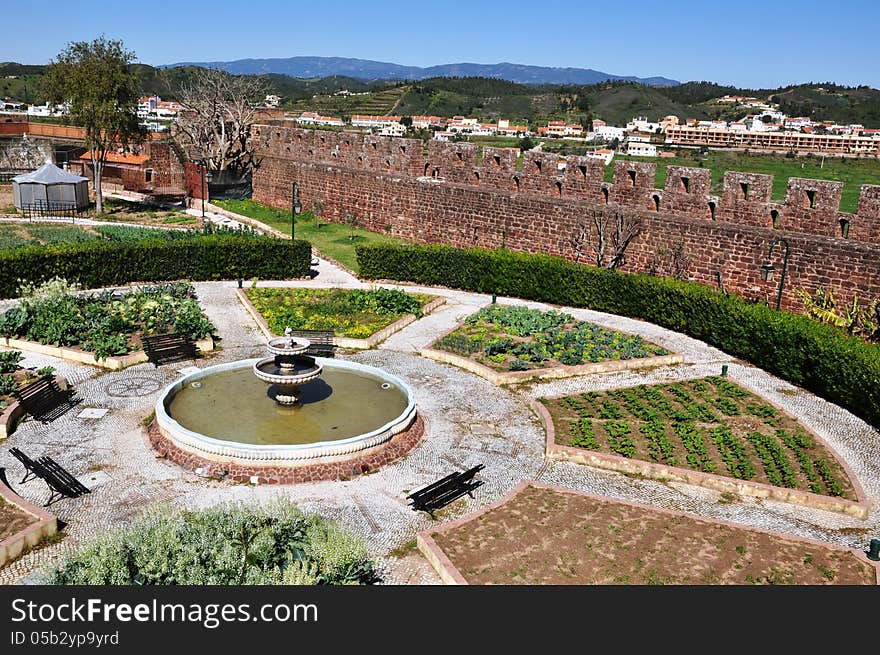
x: 45, y: 526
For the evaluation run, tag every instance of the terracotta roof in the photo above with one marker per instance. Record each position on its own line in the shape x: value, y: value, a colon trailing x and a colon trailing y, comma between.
x: 120, y: 158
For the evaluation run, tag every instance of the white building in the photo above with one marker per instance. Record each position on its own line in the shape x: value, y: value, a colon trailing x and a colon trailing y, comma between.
x: 48, y: 110
x: 604, y: 154
x: 393, y: 129
x: 272, y: 101
x: 443, y: 135
x: 312, y: 118
x: 608, y: 132
x: 642, y: 124
x: 359, y: 120
x: 639, y: 149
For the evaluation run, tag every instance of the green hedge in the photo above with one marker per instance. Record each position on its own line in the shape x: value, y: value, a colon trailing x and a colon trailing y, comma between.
x: 106, y: 263
x: 820, y: 358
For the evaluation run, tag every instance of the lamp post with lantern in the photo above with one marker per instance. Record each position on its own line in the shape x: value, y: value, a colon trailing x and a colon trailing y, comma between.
x: 767, y: 268
x: 295, y: 208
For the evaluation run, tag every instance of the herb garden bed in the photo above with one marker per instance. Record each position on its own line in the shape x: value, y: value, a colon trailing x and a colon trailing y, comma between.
x: 710, y: 432
x: 508, y: 344
x: 548, y: 535
x: 103, y: 329
x: 359, y: 318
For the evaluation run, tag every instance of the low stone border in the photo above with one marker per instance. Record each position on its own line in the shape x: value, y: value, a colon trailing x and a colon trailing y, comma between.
x: 11, y: 416
x: 557, y: 372
x: 857, y: 509
x: 451, y: 575
x: 330, y: 468
x: 45, y: 526
x: 343, y: 342
x: 81, y: 356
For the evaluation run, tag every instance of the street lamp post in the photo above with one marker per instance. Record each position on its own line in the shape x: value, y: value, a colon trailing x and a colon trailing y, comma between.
x: 767, y: 269
x: 295, y: 208
x: 206, y: 177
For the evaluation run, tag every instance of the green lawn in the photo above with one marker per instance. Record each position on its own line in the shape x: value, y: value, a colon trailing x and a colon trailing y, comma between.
x: 852, y: 172
x: 333, y: 240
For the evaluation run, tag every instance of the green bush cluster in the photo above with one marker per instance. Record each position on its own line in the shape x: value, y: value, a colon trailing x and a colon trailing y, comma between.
x: 108, y: 263
x: 273, y: 543
x: 820, y: 358
x: 104, y: 322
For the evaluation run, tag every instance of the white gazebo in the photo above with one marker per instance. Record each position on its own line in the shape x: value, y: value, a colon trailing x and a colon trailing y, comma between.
x: 50, y: 187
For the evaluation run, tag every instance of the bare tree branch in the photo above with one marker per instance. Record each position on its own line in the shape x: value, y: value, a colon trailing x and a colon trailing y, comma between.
x: 219, y: 110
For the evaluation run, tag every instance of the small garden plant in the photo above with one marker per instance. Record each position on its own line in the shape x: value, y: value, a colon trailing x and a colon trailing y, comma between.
x: 511, y: 338
x: 355, y: 313
x: 105, y: 323
x: 710, y: 425
x: 273, y: 543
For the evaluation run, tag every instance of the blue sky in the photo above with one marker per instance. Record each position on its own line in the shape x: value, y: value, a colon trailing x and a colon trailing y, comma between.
x: 750, y: 44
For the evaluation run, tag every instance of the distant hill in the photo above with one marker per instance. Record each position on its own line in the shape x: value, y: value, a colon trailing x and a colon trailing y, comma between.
x: 365, y: 69
x: 615, y: 101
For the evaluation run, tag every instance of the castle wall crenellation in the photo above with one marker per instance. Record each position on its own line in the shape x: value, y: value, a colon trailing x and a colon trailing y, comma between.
x: 452, y: 193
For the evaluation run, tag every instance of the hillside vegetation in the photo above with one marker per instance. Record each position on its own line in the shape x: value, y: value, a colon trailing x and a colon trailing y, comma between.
x: 490, y: 98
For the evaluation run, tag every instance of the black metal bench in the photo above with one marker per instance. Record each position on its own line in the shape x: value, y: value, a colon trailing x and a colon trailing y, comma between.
x: 445, y: 490
x: 61, y: 483
x: 321, y: 342
x: 45, y: 400
x: 165, y: 348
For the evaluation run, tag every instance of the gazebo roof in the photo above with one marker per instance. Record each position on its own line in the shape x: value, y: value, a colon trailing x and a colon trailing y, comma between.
x: 48, y: 173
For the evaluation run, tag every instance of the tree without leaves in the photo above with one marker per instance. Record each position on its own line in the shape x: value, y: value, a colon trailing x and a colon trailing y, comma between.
x: 219, y: 111
x: 95, y: 78
x: 617, y: 226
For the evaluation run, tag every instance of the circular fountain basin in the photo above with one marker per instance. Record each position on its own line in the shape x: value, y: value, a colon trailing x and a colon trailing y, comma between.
x: 224, y: 413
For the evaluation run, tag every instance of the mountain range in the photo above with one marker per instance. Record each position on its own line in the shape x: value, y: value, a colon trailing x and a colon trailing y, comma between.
x: 365, y: 69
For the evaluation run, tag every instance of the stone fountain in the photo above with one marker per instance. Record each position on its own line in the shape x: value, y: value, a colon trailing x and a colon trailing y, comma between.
x: 287, y: 369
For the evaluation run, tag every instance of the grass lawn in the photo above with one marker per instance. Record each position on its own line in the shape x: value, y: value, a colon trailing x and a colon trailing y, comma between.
x: 351, y: 313
x: 333, y: 240
x: 506, y: 338
x: 852, y: 172
x: 710, y: 425
x: 546, y: 536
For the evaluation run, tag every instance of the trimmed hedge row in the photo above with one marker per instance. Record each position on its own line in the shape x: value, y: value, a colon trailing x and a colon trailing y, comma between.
x: 106, y: 263
x: 820, y: 358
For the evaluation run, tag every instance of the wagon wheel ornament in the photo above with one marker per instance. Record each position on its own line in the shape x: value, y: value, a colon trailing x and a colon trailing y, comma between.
x: 132, y: 387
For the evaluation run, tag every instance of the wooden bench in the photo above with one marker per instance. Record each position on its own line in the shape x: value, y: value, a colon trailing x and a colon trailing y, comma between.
x: 45, y: 400
x: 321, y: 342
x: 165, y: 348
x: 61, y: 483
x: 445, y: 490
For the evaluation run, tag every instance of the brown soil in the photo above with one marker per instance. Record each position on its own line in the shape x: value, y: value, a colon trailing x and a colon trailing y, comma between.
x: 545, y: 536
x: 6, y: 201
x: 565, y: 420
x: 13, y: 520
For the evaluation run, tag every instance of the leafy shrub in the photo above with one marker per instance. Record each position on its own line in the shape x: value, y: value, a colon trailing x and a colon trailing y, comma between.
x: 8, y: 384
x: 230, y: 544
x: 9, y: 361
x: 842, y: 369
x: 108, y: 263
x: 102, y: 323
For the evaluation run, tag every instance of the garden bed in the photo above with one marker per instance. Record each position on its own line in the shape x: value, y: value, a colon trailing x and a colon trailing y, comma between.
x: 548, y: 535
x: 22, y: 525
x: 508, y: 344
x: 709, y: 431
x: 358, y: 318
x: 103, y: 329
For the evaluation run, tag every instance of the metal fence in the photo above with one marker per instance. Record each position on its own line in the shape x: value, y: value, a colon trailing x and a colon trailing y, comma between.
x: 6, y: 174
x: 51, y: 209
